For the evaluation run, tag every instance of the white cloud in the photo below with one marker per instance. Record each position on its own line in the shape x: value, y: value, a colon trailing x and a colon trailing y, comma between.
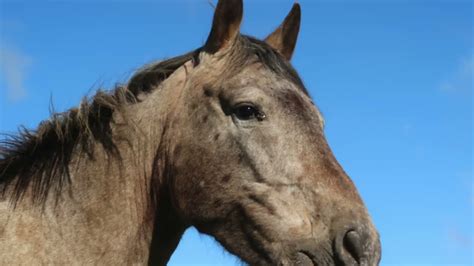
x: 461, y: 81
x: 13, y: 68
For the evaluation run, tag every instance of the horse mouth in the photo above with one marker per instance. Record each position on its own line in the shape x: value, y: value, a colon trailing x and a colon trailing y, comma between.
x: 303, y: 258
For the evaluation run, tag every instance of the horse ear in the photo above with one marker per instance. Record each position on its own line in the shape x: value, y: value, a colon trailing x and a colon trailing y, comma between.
x: 284, y: 38
x: 225, y: 26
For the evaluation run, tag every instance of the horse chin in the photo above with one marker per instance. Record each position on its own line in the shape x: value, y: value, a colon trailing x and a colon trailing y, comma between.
x: 305, y: 258
x: 302, y: 259
x: 292, y: 258
x: 252, y: 249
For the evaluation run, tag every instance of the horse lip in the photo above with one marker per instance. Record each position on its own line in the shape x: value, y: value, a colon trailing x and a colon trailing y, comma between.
x: 305, y: 258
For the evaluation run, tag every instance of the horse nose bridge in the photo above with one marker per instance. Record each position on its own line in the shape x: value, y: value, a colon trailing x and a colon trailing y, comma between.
x: 328, y: 176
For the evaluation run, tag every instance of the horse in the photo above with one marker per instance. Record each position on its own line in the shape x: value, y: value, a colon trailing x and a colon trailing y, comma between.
x: 224, y: 138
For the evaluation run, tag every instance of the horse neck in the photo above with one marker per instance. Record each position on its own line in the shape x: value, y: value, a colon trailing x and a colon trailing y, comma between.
x: 152, y: 119
x: 115, y: 209
x: 102, y: 215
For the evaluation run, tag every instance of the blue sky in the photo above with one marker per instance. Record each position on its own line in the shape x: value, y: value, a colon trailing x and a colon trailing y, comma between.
x: 394, y: 80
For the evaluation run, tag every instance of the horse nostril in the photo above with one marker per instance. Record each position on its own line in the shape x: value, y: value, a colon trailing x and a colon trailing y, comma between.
x: 353, y: 245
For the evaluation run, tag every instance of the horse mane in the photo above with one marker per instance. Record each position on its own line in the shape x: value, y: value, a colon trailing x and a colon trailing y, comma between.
x: 40, y: 158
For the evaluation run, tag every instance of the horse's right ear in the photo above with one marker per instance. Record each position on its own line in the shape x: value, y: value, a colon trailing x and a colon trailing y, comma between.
x: 225, y: 26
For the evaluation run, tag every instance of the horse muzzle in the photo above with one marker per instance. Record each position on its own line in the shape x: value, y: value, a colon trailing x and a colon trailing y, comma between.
x: 355, y: 246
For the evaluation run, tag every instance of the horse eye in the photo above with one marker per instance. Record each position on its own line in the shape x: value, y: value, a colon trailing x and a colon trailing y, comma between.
x: 248, y: 112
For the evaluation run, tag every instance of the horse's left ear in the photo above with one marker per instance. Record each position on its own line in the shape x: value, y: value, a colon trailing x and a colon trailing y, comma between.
x: 284, y: 38
x: 225, y: 26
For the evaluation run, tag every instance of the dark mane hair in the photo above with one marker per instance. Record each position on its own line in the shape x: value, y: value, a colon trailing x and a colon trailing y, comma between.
x: 40, y: 158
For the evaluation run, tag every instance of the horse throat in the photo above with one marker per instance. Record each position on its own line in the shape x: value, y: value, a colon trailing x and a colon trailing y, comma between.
x: 167, y: 232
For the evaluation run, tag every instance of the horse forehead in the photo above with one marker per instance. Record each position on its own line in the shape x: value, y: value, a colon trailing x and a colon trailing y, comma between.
x: 258, y: 75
